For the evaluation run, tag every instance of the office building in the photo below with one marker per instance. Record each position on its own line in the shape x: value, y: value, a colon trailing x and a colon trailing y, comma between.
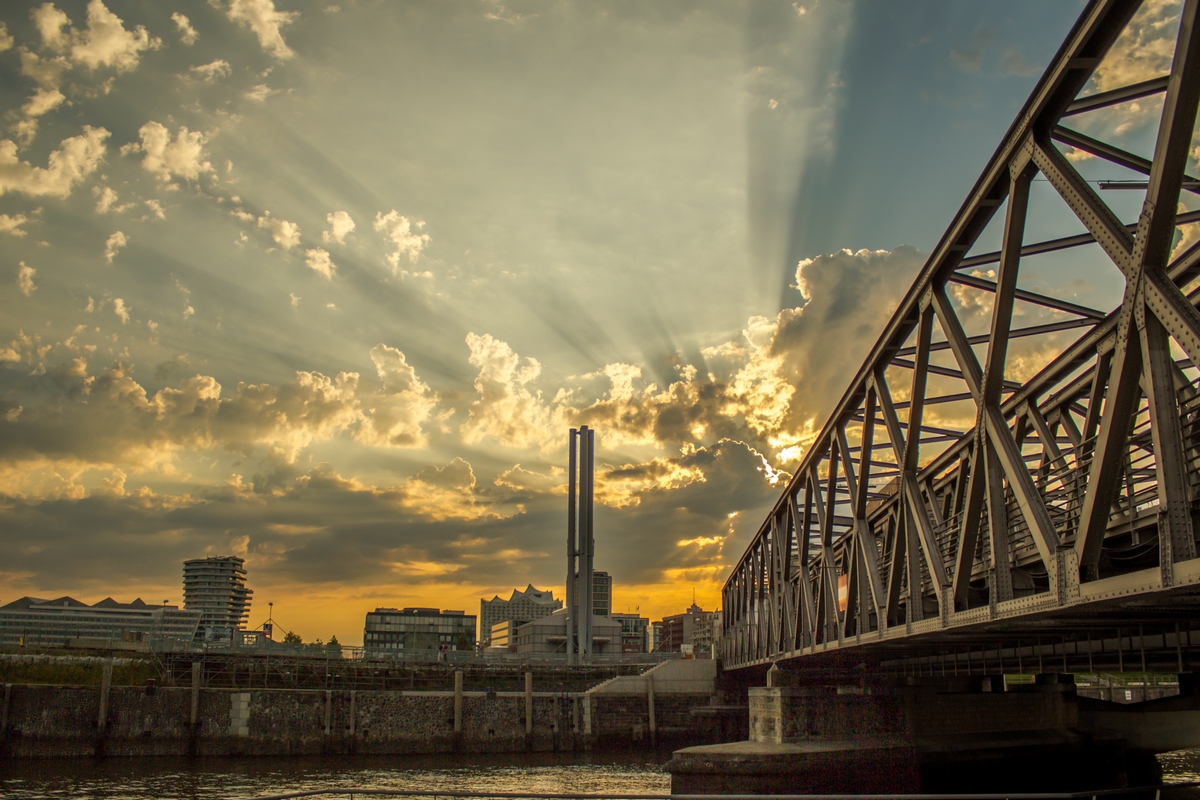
x: 695, y: 627
x: 216, y: 587
x: 634, y: 633
x: 520, y: 607
x: 602, y: 585
x: 422, y: 632
x: 67, y: 622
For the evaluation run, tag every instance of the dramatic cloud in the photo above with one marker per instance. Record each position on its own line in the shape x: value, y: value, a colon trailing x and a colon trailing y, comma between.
x: 1144, y: 50
x: 340, y: 224
x: 43, y: 102
x: 262, y: 17
x: 286, y: 234
x: 182, y: 157
x: 113, y: 245
x: 12, y: 224
x: 106, y: 201
x: 836, y: 309
x: 402, y: 233
x: 6, y: 41
x: 259, y: 93
x: 318, y: 261
x: 213, y: 71
x: 75, y: 159
x: 507, y: 410
x: 25, y: 275
x: 105, y: 42
x: 402, y: 407
x: 187, y: 34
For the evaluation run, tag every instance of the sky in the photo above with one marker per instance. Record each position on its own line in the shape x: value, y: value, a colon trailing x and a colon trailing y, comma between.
x: 325, y: 284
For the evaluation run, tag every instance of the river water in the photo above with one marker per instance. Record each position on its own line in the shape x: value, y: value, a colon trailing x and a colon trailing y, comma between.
x: 209, y: 779
x: 212, y: 779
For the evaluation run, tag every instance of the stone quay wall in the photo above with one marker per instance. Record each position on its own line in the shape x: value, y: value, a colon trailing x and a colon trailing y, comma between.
x: 74, y: 721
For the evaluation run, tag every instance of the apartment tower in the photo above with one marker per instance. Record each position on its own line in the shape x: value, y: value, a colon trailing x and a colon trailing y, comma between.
x: 216, y: 587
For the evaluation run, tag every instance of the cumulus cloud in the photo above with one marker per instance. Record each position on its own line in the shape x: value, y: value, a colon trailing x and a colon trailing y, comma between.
x: 1144, y: 50
x: 397, y: 414
x: 43, y: 102
x: 113, y: 245
x: 6, y: 41
x: 265, y: 21
x: 286, y: 234
x: 75, y: 159
x: 187, y: 34
x: 259, y: 93
x: 104, y: 43
x: 340, y: 224
x: 12, y: 224
x: 768, y: 389
x: 121, y: 310
x: 110, y: 418
x: 507, y: 409
x: 212, y: 71
x: 106, y: 201
x: 46, y: 71
x: 25, y: 275
x: 318, y: 261
x: 181, y: 157
x: 794, y: 347
x: 403, y: 234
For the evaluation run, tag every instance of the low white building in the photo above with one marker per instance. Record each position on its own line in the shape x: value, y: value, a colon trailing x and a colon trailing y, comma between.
x: 548, y: 635
x: 67, y: 622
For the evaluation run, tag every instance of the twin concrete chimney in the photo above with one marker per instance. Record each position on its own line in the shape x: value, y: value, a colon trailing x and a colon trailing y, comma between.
x: 581, y: 474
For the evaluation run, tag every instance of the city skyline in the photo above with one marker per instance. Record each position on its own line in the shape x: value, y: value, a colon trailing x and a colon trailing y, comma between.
x: 324, y: 285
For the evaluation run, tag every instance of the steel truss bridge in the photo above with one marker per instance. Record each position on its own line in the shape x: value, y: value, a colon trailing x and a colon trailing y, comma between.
x: 952, y: 509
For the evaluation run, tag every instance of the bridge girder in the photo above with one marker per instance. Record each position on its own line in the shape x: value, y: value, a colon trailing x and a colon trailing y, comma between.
x: 1073, y: 500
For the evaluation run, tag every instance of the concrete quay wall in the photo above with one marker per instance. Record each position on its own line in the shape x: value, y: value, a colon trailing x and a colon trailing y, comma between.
x: 74, y: 721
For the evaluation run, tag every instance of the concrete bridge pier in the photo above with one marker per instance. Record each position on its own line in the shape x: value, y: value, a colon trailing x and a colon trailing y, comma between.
x: 946, y: 734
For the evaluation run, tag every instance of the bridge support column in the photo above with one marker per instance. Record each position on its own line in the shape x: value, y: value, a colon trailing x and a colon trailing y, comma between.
x: 945, y: 734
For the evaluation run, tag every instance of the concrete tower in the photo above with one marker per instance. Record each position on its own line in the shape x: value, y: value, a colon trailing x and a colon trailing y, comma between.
x: 581, y: 555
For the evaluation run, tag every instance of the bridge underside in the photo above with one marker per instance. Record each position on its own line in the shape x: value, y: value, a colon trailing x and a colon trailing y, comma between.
x: 1012, y: 475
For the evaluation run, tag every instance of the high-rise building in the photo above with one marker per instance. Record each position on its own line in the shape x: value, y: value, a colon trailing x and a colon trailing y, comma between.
x: 602, y: 586
x: 216, y: 587
x: 521, y: 607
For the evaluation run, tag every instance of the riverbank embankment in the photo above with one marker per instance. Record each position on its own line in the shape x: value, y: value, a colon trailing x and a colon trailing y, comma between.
x: 624, y: 712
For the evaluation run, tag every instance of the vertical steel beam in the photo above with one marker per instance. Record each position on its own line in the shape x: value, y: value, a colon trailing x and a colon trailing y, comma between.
x: 968, y: 530
x: 1000, y: 558
x: 1176, y: 540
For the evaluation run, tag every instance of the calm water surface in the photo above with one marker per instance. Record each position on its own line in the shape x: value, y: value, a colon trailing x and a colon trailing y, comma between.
x: 210, y: 779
